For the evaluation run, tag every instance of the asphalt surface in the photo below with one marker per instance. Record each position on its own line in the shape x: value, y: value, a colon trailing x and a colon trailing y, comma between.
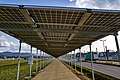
x: 106, y: 69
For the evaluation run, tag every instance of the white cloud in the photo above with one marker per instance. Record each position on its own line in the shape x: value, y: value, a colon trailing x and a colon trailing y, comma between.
x: 2, y: 38
x: 71, y: 0
x: 97, y: 4
x: 6, y: 43
x: 3, y: 41
x: 24, y: 45
x: 12, y: 44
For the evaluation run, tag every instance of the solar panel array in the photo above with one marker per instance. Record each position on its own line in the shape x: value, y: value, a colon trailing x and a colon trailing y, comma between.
x: 57, y: 31
x: 55, y: 16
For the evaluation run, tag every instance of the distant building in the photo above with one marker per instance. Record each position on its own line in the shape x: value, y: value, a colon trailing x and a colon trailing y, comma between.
x: 109, y: 54
x: 87, y: 56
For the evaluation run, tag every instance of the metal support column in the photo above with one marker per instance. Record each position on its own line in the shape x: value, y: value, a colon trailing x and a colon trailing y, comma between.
x: 104, y: 49
x: 37, y: 60
x: 18, y: 72
x: 40, y: 60
x: 68, y: 59
x: 80, y: 60
x: 117, y: 45
x: 43, y: 59
x: 75, y: 59
x: 93, y: 77
x: 71, y: 58
x: 31, y: 63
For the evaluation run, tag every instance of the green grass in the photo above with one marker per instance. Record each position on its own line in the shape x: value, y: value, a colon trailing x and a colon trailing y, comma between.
x: 8, y: 69
x: 10, y: 62
x: 98, y: 76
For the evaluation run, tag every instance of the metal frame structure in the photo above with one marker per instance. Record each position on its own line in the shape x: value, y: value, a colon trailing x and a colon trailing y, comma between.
x: 40, y: 60
x: 36, y: 60
x: 31, y: 63
x: 92, y: 67
x: 117, y: 45
x: 57, y: 30
x: 80, y: 60
x: 75, y: 59
x: 18, y: 71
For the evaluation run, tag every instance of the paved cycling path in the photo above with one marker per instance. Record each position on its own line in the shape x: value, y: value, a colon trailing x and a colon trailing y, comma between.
x: 56, y: 71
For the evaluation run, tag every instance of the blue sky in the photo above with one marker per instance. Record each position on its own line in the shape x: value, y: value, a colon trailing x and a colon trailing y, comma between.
x: 38, y: 2
x: 11, y: 44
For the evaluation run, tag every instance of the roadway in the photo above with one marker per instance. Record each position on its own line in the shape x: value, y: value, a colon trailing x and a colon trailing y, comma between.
x: 106, y: 69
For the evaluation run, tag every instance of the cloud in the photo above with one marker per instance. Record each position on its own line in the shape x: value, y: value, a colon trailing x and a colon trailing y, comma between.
x: 25, y: 46
x: 71, y: 0
x: 2, y: 38
x: 3, y: 41
x: 97, y: 4
x: 5, y: 44
x: 12, y: 44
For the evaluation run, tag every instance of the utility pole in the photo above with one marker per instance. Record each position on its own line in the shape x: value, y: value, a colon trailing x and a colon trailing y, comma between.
x: 104, y: 49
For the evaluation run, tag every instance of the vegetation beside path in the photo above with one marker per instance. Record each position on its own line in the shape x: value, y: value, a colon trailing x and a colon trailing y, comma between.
x: 98, y: 76
x: 77, y: 73
x: 8, y: 69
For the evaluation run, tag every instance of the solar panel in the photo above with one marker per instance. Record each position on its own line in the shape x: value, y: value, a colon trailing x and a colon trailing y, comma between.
x: 57, y: 30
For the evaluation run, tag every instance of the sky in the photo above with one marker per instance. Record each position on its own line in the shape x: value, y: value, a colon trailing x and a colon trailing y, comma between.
x: 8, y: 43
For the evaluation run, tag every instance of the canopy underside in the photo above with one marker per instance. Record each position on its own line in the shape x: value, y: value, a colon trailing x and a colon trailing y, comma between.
x: 57, y: 30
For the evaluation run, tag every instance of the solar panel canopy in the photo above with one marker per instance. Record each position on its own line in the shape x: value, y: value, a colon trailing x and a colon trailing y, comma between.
x: 58, y: 30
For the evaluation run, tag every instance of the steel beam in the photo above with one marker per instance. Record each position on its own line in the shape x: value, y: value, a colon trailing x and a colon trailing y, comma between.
x: 41, y: 36
x: 56, y: 47
x: 80, y: 38
x: 84, y: 18
x: 12, y: 22
x: 27, y: 15
x: 60, y: 44
x: 29, y: 21
x: 101, y: 26
x: 52, y: 42
x: 71, y: 37
x: 59, y: 48
x: 57, y: 24
x: 57, y: 31
x: 81, y: 22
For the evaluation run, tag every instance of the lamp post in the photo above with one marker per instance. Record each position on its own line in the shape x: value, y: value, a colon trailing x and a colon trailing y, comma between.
x: 104, y: 48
